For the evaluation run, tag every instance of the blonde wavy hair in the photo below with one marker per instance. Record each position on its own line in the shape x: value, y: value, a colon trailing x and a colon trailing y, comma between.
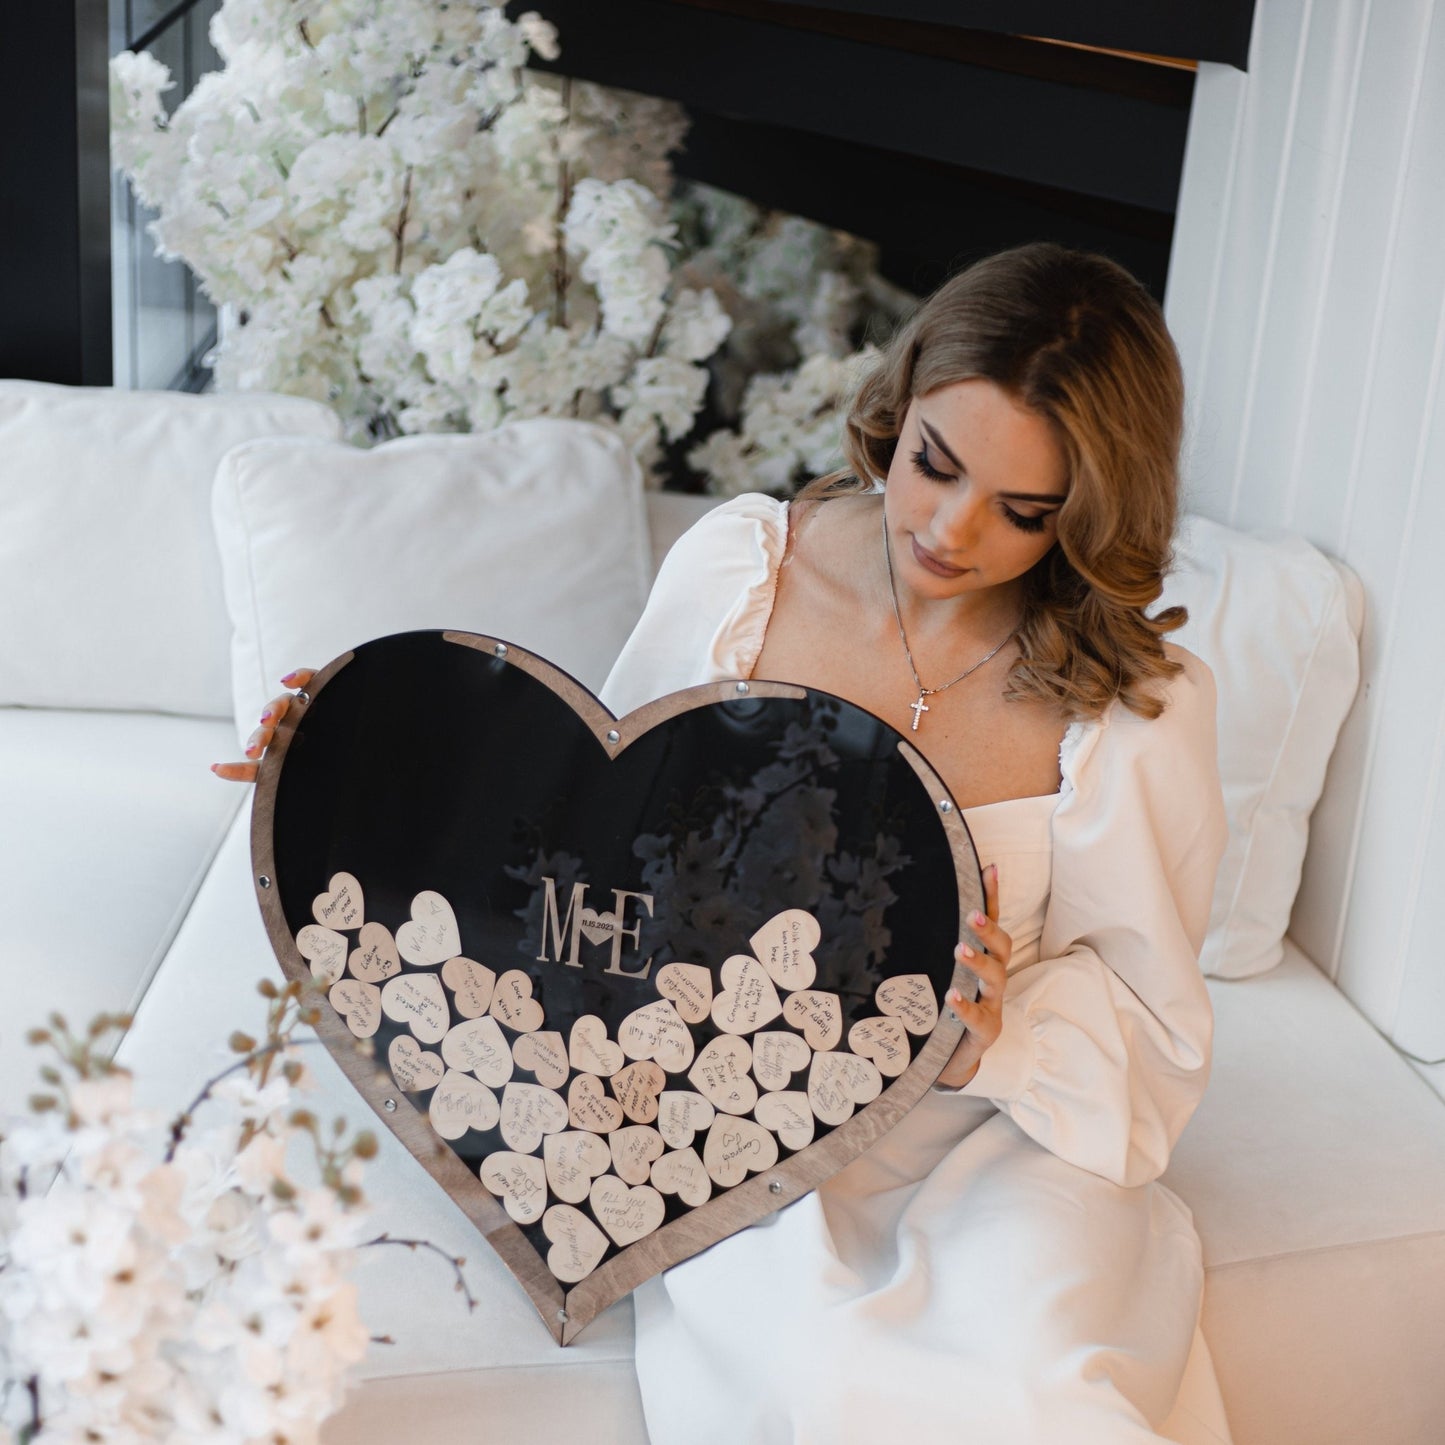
x: 1077, y: 340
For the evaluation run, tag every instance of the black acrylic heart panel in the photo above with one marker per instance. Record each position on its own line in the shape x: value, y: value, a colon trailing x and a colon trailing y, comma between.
x: 622, y: 985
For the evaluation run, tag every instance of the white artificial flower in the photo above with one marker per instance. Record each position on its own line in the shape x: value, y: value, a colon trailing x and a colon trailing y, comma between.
x: 618, y: 229
x: 696, y: 325
x: 540, y: 34
x: 665, y: 389
x: 407, y: 223
x: 791, y: 428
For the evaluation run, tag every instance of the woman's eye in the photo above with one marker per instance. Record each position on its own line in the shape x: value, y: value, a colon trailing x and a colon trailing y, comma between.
x: 1023, y: 523
x: 920, y: 464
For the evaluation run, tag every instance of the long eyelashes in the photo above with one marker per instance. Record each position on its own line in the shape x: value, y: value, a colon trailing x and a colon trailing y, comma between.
x: 1023, y: 523
x: 920, y: 462
x: 1016, y: 519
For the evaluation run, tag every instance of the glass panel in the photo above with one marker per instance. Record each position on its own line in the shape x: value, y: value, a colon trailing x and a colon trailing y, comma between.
x: 163, y: 324
x: 579, y: 877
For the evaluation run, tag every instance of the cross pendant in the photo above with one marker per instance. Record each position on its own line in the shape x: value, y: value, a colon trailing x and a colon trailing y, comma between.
x: 918, y: 709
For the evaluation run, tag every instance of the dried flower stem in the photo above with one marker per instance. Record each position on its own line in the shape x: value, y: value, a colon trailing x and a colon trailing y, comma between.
x: 451, y: 1259
x: 561, y: 279
x: 401, y: 221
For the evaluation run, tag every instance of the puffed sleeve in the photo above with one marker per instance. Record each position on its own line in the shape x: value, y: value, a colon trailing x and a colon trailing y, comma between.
x: 709, y: 607
x: 1105, y: 1049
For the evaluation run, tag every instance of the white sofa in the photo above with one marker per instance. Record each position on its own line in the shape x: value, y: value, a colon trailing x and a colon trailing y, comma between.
x: 1315, y: 1167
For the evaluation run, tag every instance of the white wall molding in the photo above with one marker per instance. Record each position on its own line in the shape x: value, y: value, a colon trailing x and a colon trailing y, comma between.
x: 1307, y: 296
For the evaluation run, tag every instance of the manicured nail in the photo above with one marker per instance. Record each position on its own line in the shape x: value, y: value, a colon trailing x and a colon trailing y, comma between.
x: 266, y: 717
x: 965, y: 950
x: 954, y: 996
x: 977, y: 919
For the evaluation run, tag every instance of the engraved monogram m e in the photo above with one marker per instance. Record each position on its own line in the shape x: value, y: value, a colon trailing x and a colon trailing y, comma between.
x: 580, y: 919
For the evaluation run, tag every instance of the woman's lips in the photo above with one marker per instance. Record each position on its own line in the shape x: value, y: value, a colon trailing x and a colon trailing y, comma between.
x: 930, y: 563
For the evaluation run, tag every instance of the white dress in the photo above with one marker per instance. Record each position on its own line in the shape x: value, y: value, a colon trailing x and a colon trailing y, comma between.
x: 1003, y: 1266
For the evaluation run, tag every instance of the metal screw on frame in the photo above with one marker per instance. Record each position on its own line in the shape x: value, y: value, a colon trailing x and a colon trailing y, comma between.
x: 944, y: 806
x: 303, y: 697
x: 775, y: 1186
x: 389, y: 1105
x: 742, y: 689
x: 500, y: 650
x: 613, y: 736
x: 264, y: 881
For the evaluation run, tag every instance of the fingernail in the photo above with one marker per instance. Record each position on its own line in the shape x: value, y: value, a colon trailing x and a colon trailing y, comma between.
x: 266, y: 717
x: 977, y: 919
x: 965, y: 950
x: 954, y: 996
x: 992, y: 868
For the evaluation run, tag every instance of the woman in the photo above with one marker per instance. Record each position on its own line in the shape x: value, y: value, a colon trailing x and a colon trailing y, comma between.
x: 1003, y: 1265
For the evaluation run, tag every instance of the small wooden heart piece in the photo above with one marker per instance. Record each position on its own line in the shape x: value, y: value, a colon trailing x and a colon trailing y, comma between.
x: 819, y: 1015
x: 325, y: 950
x: 784, y: 946
x: 419, y: 1001
x: 909, y: 997
x: 359, y: 1004
x: 342, y: 905
x: 884, y: 1041
x: 471, y: 984
x: 590, y: 1050
x: 682, y: 1173
x: 374, y: 959
x: 736, y: 1148
x: 520, y: 1181
x: 721, y: 1075
x: 478, y: 1046
x: 689, y: 987
x: 461, y: 1103
x: 748, y: 1000
x: 542, y: 1054
x: 657, y: 1032
x: 577, y: 1244
x: 412, y: 1066
x: 513, y: 1004
x: 431, y: 935
x: 626, y: 1214
x: 573, y: 1160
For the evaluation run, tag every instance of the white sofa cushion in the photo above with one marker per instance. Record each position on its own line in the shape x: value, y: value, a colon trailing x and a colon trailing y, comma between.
x: 109, y: 588
x: 535, y: 532
x: 1274, y: 620
x: 108, y: 822
x: 1315, y: 1167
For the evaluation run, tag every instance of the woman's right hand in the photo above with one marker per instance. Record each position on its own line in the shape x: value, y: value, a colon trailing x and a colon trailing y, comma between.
x: 260, y: 740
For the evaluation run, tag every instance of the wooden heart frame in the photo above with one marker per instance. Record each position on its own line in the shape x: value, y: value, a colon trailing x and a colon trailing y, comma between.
x: 567, y: 1310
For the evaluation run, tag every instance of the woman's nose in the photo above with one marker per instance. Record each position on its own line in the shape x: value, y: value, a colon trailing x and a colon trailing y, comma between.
x: 956, y: 523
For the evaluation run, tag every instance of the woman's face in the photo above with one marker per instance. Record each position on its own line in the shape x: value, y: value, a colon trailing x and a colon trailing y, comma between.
x: 974, y: 490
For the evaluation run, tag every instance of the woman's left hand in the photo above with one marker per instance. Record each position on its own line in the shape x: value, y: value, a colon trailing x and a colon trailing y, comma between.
x: 983, y: 1018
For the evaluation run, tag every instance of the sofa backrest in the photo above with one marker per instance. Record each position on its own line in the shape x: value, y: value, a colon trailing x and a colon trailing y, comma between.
x: 110, y: 591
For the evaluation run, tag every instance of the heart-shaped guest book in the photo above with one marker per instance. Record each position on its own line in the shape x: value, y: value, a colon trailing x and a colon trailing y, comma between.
x: 626, y: 985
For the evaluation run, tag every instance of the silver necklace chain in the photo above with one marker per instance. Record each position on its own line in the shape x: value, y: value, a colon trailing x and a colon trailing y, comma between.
x: 920, y: 707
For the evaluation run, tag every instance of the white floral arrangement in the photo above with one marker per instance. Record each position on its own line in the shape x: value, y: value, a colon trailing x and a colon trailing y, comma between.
x: 400, y: 218
x: 185, y: 1282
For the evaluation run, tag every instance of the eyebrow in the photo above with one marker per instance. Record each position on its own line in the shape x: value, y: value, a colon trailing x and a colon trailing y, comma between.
x: 1052, y: 498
